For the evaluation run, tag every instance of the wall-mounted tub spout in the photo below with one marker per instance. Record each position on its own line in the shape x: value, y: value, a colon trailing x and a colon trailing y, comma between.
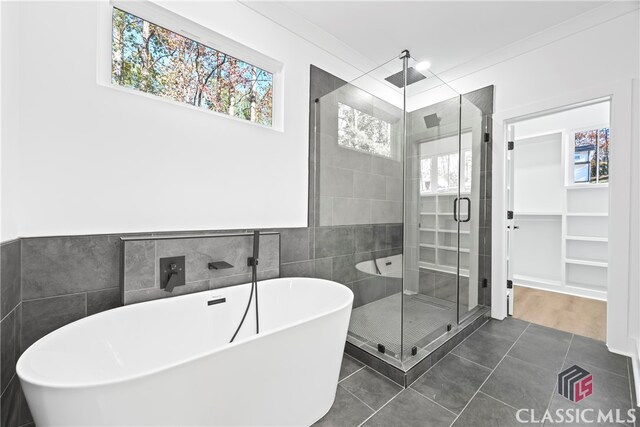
x: 173, y: 279
x: 219, y: 265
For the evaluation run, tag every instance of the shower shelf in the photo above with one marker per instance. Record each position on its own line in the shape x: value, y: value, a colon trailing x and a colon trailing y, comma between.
x: 455, y: 231
x: 587, y: 214
x: 588, y: 238
x: 445, y: 231
x: 438, y: 220
x: 591, y: 263
x: 452, y: 248
x: 445, y: 194
x: 443, y: 268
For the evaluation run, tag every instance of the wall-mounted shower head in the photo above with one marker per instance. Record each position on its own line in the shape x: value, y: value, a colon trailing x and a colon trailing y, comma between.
x: 432, y: 121
x: 413, y: 76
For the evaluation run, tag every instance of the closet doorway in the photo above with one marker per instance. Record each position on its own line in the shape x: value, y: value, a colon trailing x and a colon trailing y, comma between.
x: 558, y: 198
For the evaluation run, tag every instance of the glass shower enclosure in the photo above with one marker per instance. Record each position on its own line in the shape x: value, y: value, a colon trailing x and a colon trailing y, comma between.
x: 411, y: 179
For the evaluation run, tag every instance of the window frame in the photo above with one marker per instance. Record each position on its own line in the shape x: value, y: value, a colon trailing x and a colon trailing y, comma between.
x: 180, y: 25
x: 571, y: 162
x: 359, y: 150
x: 462, y: 173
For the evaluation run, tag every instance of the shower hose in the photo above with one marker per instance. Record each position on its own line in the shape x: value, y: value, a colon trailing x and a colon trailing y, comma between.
x: 254, y: 286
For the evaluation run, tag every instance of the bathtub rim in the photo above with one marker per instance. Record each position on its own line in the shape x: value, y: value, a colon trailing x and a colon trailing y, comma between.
x: 20, y: 369
x: 394, y: 276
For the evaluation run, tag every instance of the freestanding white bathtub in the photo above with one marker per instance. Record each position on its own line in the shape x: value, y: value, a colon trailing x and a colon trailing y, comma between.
x: 169, y: 362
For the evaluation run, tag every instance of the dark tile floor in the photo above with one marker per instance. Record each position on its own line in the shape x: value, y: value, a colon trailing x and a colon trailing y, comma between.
x: 502, y: 367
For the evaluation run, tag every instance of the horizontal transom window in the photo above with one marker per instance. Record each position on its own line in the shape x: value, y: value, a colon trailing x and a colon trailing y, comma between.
x: 152, y: 59
x: 363, y: 132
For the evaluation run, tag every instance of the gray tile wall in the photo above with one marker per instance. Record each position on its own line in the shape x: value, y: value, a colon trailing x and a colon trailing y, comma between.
x: 355, y: 187
x: 355, y: 199
x: 443, y: 285
x: 333, y: 252
x: 141, y: 258
x: 65, y: 279
x: 10, y: 327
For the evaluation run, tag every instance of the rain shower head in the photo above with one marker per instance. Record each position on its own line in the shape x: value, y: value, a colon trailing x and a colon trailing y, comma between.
x: 432, y: 121
x: 413, y: 76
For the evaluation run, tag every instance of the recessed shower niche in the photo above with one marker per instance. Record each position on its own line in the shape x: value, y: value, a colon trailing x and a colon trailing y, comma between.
x: 425, y: 170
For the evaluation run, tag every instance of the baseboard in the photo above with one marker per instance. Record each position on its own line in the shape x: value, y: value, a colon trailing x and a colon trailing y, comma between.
x: 553, y: 286
x: 635, y: 369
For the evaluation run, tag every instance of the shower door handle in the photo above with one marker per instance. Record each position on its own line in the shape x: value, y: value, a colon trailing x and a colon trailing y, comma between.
x: 468, y: 209
x: 455, y: 209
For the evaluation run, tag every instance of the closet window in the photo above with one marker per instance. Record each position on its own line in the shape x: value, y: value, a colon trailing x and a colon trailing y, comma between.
x: 591, y: 156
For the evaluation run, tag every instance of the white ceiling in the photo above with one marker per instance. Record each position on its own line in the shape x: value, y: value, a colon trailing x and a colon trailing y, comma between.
x: 458, y: 38
x: 447, y: 33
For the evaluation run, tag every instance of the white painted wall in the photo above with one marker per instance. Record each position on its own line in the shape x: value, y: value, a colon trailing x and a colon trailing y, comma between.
x: 576, y: 118
x: 553, y: 76
x: 89, y: 159
x: 9, y: 159
x: 634, y: 251
x: 538, y: 174
x: 559, y: 66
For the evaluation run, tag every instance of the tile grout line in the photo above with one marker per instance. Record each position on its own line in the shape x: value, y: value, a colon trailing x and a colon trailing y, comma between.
x: 70, y: 294
x: 360, y: 400
x: 375, y: 412
x: 433, y: 401
x: 564, y: 361
x: 475, y: 363
x: 497, y: 400
x: 451, y: 352
x: 489, y: 376
x: 21, y: 291
x: 380, y: 373
x: 86, y: 304
x: 353, y: 373
x: 8, y: 384
x: 10, y: 311
x: 633, y: 404
x: 383, y: 376
x: 602, y: 369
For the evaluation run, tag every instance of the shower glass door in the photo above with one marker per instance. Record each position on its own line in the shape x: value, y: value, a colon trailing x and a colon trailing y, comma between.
x: 431, y: 242
x: 445, y: 214
x: 471, y: 214
x: 359, y: 143
x: 399, y: 206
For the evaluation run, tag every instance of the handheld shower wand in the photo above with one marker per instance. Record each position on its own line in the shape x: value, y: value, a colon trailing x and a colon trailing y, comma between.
x: 253, y: 263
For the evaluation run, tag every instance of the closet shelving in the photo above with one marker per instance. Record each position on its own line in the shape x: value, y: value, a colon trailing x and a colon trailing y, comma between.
x: 439, y: 234
x: 585, y: 238
x: 562, y: 240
